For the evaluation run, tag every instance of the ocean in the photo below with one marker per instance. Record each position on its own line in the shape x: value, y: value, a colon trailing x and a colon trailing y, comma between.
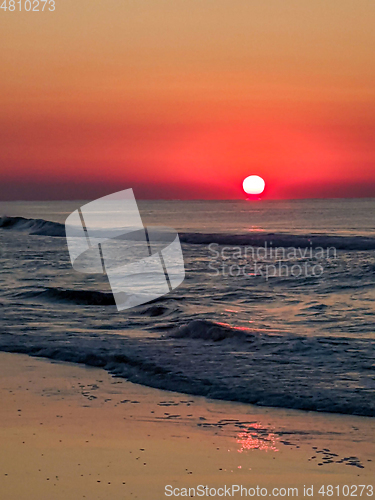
x: 277, y: 307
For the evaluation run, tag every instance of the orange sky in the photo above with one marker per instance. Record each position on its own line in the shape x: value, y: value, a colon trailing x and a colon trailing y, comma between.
x: 185, y: 98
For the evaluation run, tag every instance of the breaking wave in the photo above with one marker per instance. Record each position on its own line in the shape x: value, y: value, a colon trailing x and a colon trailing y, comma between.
x: 38, y: 227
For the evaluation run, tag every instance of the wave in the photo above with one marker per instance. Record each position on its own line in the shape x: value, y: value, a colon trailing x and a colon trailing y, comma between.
x: 88, y: 298
x: 42, y: 227
x: 208, y: 359
x: 208, y: 330
x: 39, y: 227
x: 282, y: 240
x: 78, y: 297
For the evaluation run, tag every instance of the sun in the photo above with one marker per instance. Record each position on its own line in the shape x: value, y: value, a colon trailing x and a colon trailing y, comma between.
x: 253, y: 184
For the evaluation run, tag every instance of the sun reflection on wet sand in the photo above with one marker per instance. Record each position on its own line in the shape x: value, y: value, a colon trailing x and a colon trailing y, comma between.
x: 257, y: 438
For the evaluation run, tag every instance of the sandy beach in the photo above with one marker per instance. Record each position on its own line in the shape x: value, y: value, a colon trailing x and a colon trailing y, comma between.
x: 69, y: 431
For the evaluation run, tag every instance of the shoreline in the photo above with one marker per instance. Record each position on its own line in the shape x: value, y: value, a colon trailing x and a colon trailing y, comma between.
x: 220, y: 369
x: 72, y: 431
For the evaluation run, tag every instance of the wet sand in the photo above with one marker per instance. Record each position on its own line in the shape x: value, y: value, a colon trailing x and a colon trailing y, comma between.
x: 72, y: 432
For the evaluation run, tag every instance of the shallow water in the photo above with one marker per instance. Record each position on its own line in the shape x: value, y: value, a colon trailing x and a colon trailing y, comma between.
x: 228, y: 331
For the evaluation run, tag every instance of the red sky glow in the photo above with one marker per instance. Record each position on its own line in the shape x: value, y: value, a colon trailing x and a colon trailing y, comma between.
x: 186, y: 99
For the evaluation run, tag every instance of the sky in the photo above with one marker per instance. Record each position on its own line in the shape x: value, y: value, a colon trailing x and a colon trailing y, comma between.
x: 182, y: 99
